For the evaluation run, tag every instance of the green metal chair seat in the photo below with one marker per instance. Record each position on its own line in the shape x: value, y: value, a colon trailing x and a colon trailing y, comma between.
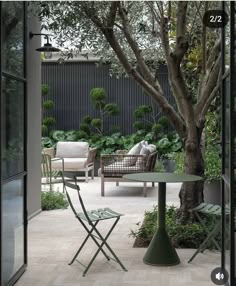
x: 100, y: 214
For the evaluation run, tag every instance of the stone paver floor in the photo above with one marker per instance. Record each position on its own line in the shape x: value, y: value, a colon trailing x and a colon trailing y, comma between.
x: 54, y: 237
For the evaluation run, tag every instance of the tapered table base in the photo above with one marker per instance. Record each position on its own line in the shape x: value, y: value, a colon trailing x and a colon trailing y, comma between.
x: 160, y: 251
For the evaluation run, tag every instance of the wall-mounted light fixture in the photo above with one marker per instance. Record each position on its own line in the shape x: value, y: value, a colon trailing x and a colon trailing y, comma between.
x: 47, y: 48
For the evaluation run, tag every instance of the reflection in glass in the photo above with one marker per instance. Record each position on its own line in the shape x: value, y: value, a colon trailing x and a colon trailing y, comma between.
x: 12, y: 140
x: 227, y: 227
x: 226, y: 142
x: 12, y: 37
x: 12, y: 229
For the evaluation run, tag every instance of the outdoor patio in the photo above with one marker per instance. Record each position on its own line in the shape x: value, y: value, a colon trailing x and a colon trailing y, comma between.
x: 54, y: 237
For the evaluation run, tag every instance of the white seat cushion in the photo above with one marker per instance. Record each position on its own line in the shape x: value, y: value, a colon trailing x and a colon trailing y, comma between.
x: 70, y: 164
x: 72, y: 149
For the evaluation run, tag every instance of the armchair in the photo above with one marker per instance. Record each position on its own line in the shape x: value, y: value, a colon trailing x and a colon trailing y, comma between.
x: 77, y: 156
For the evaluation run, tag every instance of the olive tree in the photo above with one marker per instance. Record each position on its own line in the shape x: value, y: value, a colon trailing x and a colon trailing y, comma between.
x: 137, y: 36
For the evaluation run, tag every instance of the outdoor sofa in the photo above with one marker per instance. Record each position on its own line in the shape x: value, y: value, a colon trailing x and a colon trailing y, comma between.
x: 141, y: 158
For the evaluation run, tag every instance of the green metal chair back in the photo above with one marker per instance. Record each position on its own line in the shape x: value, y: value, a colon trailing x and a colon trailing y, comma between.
x: 77, y: 188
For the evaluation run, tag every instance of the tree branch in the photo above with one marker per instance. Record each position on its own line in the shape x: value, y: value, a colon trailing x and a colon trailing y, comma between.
x: 209, y: 86
x: 137, y: 52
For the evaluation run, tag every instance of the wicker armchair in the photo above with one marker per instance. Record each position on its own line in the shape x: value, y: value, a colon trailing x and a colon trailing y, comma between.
x: 114, y: 166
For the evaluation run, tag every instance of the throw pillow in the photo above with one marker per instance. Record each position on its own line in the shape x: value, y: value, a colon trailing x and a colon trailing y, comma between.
x: 135, y: 150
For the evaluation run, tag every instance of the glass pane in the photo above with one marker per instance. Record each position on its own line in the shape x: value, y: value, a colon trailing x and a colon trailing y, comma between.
x: 12, y: 128
x: 12, y: 37
x: 12, y: 229
x: 226, y: 95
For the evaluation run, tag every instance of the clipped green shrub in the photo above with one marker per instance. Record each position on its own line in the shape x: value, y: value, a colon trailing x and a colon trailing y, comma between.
x: 156, y: 128
x: 44, y: 130
x: 82, y: 135
x: 97, y: 94
x: 44, y: 89
x: 53, y: 200
x: 138, y: 125
x: 163, y: 121
x: 111, y: 108
x: 49, y: 121
x: 86, y: 119
x: 48, y: 104
x: 84, y: 127
x: 96, y: 122
x: 182, y: 236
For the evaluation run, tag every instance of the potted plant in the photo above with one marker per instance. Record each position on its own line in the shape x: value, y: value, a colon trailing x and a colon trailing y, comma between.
x: 212, y: 193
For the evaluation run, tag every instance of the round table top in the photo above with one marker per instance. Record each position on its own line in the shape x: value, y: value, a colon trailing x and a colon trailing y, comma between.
x: 162, y: 177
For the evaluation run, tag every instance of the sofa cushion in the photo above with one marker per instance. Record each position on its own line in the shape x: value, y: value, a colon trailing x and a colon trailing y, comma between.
x: 135, y: 150
x: 70, y: 164
x: 152, y: 148
x: 72, y: 149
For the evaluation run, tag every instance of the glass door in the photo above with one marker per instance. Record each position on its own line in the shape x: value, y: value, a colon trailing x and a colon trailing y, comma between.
x: 13, y: 141
x: 229, y: 142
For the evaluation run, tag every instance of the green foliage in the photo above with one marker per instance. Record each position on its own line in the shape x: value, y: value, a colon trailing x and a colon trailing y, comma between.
x: 85, y: 127
x: 111, y: 108
x: 138, y: 125
x: 44, y: 130
x: 165, y: 146
x: 58, y: 135
x: 53, y: 200
x: 212, y: 128
x: 82, y: 135
x: 48, y: 104
x: 46, y: 142
x: 97, y: 94
x: 86, y: 119
x: 163, y: 121
x: 156, y: 128
x: 141, y: 110
x: 212, y: 164
x: 44, y: 89
x: 178, y: 158
x: 71, y: 135
x: 49, y: 121
x: 190, y: 235
x: 96, y: 122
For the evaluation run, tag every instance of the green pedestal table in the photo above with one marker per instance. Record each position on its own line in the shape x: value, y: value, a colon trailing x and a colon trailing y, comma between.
x: 160, y: 251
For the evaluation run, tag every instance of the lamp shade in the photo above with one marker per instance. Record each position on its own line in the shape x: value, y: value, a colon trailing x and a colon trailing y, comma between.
x: 48, y: 48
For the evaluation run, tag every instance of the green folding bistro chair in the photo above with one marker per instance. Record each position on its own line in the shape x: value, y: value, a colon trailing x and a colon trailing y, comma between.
x: 93, y: 217
x: 215, y: 211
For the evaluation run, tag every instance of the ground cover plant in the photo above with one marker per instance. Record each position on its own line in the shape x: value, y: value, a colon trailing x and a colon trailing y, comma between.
x: 182, y: 236
x: 51, y: 200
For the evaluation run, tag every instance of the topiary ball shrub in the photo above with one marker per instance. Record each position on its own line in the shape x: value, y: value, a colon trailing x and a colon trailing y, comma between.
x: 96, y: 122
x: 53, y: 200
x: 189, y: 235
x: 97, y: 94
x: 163, y: 121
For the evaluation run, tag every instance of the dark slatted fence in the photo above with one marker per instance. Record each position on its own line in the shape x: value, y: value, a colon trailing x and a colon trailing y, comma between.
x: 71, y: 82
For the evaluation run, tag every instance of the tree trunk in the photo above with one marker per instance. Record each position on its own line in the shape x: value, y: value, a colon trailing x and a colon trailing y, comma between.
x: 191, y: 194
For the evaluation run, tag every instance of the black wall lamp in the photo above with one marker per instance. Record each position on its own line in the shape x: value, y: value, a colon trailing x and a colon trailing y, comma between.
x: 47, y: 48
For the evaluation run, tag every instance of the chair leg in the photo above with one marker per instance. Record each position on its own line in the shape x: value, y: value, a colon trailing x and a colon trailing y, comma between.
x: 92, y: 173
x: 117, y: 183
x: 86, y: 175
x: 145, y: 189
x: 202, y: 247
x: 109, y: 248
x: 85, y: 240
x: 153, y: 184
x: 102, y: 186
